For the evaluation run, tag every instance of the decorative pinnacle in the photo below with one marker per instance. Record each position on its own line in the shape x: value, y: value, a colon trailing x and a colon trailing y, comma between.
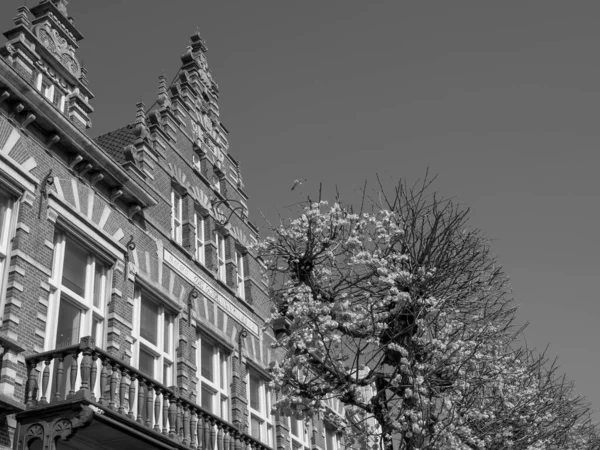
x: 163, y: 97
x: 198, y: 43
x: 23, y: 16
x: 62, y: 6
x: 141, y: 112
x: 140, y: 129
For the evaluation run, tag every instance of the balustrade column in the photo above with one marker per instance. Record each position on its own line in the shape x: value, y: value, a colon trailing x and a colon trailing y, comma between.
x: 103, y: 381
x: 122, y: 390
x: 93, y: 374
x: 200, y: 431
x: 30, y: 387
x: 149, y: 404
x: 219, y: 436
x: 165, y: 413
x: 172, y: 417
x: 59, y: 376
x: 179, y: 426
x: 113, y: 387
x: 226, y: 439
x: 45, y: 381
x: 132, y: 378
x: 86, y: 367
x: 213, y: 433
x: 186, y: 426
x: 74, y: 370
x: 157, y: 410
x: 193, y: 427
x: 207, y: 442
x: 140, y: 404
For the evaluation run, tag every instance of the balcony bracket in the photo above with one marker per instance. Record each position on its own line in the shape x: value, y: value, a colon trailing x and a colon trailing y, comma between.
x: 49, y: 428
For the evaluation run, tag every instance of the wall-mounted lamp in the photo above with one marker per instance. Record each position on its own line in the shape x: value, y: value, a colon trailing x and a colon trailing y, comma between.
x: 216, y: 203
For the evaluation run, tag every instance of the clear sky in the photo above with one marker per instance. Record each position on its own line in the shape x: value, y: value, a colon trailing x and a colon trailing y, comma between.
x: 501, y: 99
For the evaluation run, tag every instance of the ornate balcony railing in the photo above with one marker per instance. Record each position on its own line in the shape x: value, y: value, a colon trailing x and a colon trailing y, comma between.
x: 112, y: 385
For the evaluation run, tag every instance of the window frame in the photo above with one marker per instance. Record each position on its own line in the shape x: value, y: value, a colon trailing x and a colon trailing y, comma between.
x: 176, y: 216
x: 299, y: 442
x: 263, y: 414
x: 8, y: 228
x: 332, y: 433
x: 240, y: 274
x: 199, y: 237
x: 161, y: 356
x: 220, y: 386
x: 220, y: 246
x: 89, y: 310
x: 91, y: 316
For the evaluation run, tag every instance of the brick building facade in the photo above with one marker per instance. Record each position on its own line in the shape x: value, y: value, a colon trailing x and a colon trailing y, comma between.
x: 133, y: 305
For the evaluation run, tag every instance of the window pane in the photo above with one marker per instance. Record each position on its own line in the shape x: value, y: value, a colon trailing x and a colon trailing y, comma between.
x: 74, y: 268
x: 254, y: 392
x: 329, y: 438
x: 224, y: 381
x: 207, y: 399
x: 294, y: 427
x: 146, y: 362
x: 4, y: 218
x: 168, y: 331
x: 67, y: 329
x: 149, y: 321
x: 255, y: 427
x: 167, y: 370
x: 207, y: 368
x: 224, y: 408
x: 99, y: 284
x: 97, y: 330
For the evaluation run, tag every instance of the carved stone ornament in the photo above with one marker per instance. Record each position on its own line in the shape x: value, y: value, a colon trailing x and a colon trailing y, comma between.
x: 62, y: 6
x: 58, y: 46
x: 49, y: 432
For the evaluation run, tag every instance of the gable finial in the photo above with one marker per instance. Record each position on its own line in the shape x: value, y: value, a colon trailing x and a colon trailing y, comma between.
x: 140, y: 129
x: 62, y: 6
x: 163, y: 96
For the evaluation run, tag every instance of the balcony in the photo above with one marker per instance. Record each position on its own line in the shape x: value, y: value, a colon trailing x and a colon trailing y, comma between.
x: 115, y: 406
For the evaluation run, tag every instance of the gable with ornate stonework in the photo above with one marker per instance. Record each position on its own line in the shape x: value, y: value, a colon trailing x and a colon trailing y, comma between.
x: 58, y: 46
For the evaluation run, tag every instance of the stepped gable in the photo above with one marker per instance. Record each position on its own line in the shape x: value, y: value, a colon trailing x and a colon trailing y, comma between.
x: 190, y: 102
x: 42, y: 47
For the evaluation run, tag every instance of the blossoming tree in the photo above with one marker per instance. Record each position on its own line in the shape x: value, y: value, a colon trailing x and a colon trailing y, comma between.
x: 404, y: 315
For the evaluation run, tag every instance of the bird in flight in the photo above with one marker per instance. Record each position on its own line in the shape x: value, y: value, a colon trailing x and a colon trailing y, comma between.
x: 297, y: 183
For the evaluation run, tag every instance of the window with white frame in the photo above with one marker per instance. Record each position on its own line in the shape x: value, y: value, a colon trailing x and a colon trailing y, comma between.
x: 7, y: 228
x: 176, y: 216
x: 47, y: 89
x: 299, y: 434
x: 213, y: 373
x: 80, y: 281
x: 241, y: 292
x: 154, y: 347
x: 332, y: 438
x: 199, y: 237
x: 79, y: 285
x: 261, y: 419
x: 220, y: 243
